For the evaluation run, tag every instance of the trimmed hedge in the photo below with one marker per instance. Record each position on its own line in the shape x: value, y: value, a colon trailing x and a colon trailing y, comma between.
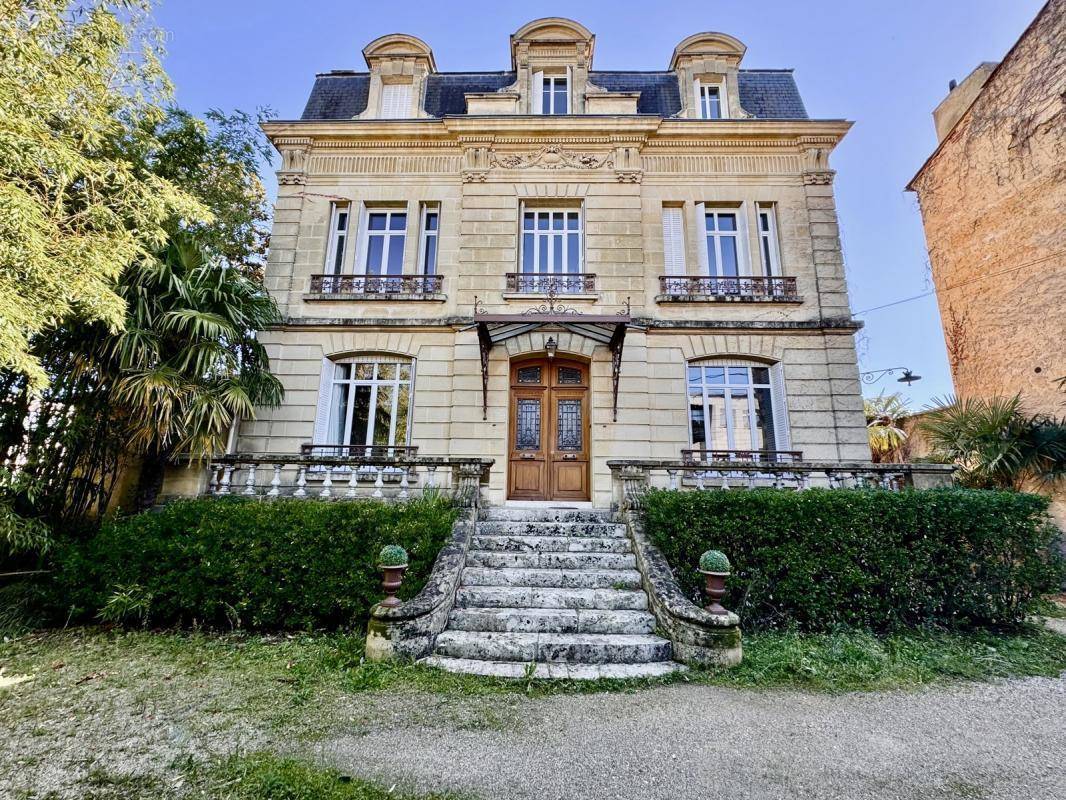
x: 288, y: 564
x: 819, y: 559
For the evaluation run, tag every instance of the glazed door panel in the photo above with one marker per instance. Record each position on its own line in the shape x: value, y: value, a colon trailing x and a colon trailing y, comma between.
x: 549, y: 450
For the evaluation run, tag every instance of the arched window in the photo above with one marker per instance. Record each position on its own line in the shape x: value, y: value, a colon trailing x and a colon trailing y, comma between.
x: 365, y: 400
x: 736, y: 405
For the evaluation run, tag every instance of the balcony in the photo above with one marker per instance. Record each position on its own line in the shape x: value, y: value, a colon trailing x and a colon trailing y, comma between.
x: 701, y: 456
x: 376, y: 287
x: 746, y: 289
x: 572, y: 284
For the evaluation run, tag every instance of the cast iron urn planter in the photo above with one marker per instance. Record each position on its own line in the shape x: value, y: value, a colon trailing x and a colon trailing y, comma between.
x: 392, y: 561
x: 715, y: 568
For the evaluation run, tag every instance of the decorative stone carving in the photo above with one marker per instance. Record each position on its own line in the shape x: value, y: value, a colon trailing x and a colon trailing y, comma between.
x: 821, y: 178
x: 294, y: 159
x: 551, y: 157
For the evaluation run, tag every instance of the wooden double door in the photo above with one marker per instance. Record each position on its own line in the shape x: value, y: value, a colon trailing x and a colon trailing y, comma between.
x: 548, y: 448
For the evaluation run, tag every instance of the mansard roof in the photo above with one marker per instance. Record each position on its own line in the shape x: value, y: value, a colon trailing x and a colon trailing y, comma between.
x: 768, y: 94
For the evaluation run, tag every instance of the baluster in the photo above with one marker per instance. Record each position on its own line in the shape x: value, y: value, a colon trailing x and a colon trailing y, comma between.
x: 778, y: 481
x: 301, y: 483
x: 404, y: 483
x: 275, y: 482
x: 725, y: 479
x: 431, y: 479
x: 327, y: 484
x: 699, y: 480
x: 379, y: 482
x: 249, y: 482
x: 212, y: 479
x: 673, y: 479
x: 801, y: 480
x: 353, y: 483
x: 227, y: 476
x: 751, y: 479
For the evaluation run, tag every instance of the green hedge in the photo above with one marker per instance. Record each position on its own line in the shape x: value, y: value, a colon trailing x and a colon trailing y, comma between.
x: 288, y: 564
x: 818, y: 559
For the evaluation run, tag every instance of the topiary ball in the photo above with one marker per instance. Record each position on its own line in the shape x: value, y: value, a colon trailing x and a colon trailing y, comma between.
x: 714, y: 561
x: 392, y: 555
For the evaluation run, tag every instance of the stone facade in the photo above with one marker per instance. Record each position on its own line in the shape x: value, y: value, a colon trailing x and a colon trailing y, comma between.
x: 616, y: 163
x: 993, y: 201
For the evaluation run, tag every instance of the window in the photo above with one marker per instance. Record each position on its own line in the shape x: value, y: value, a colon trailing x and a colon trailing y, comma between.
x: 427, y: 259
x: 723, y: 243
x: 673, y: 241
x: 386, y: 232
x: 365, y: 400
x: 710, y: 101
x: 338, y: 238
x: 551, y: 242
x: 768, y: 246
x: 731, y: 407
x: 551, y: 94
x: 396, y: 101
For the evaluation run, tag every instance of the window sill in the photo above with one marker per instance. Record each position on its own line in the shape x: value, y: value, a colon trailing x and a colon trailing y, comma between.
x: 585, y: 297
x: 435, y: 297
x: 726, y: 298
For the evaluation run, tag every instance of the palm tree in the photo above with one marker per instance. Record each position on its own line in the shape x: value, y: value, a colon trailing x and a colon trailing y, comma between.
x: 188, y: 362
x: 996, y: 445
x: 884, y: 426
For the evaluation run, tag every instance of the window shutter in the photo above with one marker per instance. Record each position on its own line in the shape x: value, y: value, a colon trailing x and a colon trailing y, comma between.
x: 673, y: 242
x: 701, y: 241
x: 697, y: 105
x: 325, y: 388
x: 396, y: 101
x: 359, y: 231
x: 744, y: 251
x: 780, y: 402
x: 537, y: 106
x: 569, y: 90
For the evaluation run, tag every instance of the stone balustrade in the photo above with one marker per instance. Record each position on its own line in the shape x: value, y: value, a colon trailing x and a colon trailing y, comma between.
x: 398, y: 476
x: 632, y: 478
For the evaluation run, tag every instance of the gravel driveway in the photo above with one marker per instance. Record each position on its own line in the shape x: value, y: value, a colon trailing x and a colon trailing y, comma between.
x: 1004, y: 740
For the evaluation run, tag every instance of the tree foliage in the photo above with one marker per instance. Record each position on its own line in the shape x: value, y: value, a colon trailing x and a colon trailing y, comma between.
x: 996, y: 444
x: 885, y: 415
x: 80, y: 88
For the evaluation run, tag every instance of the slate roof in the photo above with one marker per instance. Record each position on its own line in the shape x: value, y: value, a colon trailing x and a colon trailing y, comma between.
x: 768, y: 94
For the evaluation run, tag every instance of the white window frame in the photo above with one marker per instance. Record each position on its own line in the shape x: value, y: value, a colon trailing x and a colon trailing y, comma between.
x: 365, y: 233
x: 778, y: 405
x: 740, y: 212
x: 769, y: 245
x: 539, y: 82
x: 538, y: 235
x: 396, y: 100
x: 338, y: 239
x: 673, y: 240
x: 327, y: 392
x: 424, y: 237
x: 699, y: 98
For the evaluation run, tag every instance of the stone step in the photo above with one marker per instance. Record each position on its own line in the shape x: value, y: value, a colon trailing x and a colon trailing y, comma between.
x: 554, y: 544
x: 592, y: 529
x: 537, y: 597
x: 556, y: 670
x: 551, y: 620
x: 585, y: 648
x: 560, y: 578
x: 549, y: 514
x: 536, y: 560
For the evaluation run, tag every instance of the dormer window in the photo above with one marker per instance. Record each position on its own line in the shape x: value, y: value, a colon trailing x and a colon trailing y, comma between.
x: 551, y: 94
x: 710, y: 102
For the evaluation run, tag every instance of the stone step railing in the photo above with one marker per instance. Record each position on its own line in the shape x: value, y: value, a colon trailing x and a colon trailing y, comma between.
x: 633, y: 478
x: 312, y: 475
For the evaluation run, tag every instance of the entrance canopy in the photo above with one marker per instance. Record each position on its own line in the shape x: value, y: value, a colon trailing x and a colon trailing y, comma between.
x: 607, y: 329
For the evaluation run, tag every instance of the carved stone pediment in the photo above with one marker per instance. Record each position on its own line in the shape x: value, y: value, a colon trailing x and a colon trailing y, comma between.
x: 552, y: 156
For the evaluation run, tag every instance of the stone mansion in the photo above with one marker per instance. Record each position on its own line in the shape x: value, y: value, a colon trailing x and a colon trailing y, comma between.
x: 553, y: 268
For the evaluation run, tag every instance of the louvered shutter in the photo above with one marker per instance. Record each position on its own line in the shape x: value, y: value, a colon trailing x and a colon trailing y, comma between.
x: 744, y: 249
x: 325, y: 391
x: 701, y: 239
x: 697, y: 105
x: 780, y: 402
x: 396, y: 101
x: 537, y: 89
x: 673, y: 242
x: 569, y: 90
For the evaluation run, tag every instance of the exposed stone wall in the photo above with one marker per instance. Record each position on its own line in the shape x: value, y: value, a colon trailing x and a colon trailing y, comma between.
x: 993, y: 201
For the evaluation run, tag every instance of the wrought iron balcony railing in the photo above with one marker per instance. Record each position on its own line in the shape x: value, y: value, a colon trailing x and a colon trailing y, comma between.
x: 376, y: 284
x: 700, y: 456
x: 753, y: 287
x: 551, y: 283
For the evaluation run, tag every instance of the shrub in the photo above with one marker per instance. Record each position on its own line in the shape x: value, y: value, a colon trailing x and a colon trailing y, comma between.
x: 392, y: 555
x: 714, y: 561
x: 288, y: 564
x: 817, y: 559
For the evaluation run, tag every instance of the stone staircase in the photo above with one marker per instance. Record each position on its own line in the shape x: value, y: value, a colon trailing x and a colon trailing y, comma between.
x: 551, y: 593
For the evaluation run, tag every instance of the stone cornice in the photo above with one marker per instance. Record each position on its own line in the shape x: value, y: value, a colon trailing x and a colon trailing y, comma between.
x: 827, y: 325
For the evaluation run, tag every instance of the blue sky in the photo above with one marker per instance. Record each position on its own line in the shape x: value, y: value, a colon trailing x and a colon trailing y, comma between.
x: 883, y: 65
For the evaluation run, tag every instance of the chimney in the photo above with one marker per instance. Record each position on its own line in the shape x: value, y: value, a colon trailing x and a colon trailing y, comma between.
x: 960, y: 98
